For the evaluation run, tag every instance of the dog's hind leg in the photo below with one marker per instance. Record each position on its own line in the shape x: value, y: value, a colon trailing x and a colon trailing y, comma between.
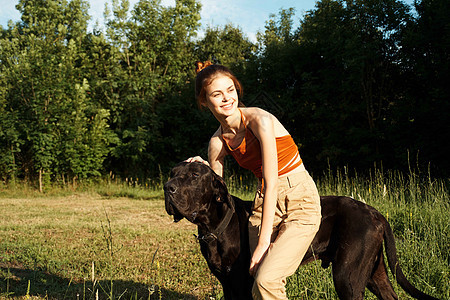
x: 351, y: 272
x: 355, y: 260
x: 379, y: 283
x: 347, y: 285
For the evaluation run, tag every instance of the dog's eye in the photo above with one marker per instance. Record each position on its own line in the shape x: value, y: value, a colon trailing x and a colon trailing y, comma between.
x: 195, y: 175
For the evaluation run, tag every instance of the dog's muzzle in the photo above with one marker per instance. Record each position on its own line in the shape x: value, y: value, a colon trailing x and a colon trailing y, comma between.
x: 170, y: 187
x: 170, y: 190
x: 172, y: 210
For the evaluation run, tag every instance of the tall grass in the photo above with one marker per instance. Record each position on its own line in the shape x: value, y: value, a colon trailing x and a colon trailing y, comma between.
x: 113, y: 239
x: 417, y: 207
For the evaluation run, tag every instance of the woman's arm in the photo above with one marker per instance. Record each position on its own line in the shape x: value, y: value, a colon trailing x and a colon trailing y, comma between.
x: 216, y: 154
x: 262, y: 125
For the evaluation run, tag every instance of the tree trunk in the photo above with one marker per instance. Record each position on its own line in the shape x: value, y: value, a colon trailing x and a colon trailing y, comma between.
x: 40, y: 181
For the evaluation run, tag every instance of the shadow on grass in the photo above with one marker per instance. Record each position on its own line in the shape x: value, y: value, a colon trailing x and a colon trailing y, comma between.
x: 129, y: 195
x: 20, y: 282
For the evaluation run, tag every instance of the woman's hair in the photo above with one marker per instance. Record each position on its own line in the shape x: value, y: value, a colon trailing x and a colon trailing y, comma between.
x: 206, y: 73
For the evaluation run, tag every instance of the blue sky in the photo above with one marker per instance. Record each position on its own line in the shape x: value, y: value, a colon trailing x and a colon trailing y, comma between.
x: 249, y: 15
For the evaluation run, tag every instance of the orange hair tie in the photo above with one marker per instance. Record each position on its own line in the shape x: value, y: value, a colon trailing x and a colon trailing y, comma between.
x: 201, y: 65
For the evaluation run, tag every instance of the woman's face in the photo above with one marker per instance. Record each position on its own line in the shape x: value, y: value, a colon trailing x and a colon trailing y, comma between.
x: 221, y: 96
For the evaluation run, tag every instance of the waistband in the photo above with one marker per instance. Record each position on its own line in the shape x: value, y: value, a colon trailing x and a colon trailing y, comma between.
x: 288, y: 179
x: 292, y: 179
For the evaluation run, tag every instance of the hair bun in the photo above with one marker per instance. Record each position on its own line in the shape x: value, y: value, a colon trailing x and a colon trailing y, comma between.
x: 199, y: 65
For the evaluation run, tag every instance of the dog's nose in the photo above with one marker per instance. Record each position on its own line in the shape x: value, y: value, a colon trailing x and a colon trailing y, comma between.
x: 169, y: 187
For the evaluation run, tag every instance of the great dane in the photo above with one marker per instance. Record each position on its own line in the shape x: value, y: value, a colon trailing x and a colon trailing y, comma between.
x: 350, y: 237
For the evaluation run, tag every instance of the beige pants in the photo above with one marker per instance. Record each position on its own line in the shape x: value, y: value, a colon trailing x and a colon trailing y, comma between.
x: 297, y: 219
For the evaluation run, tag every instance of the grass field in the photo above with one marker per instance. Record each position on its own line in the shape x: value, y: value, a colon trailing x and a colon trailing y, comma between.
x: 114, y: 241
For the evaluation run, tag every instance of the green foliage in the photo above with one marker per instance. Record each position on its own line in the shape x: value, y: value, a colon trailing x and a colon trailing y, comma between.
x: 425, y: 108
x: 150, y: 57
x: 333, y: 73
x: 54, y: 119
x: 10, y: 141
x: 227, y: 46
x: 356, y: 82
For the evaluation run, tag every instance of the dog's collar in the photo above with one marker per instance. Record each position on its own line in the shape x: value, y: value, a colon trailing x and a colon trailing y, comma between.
x: 211, y: 236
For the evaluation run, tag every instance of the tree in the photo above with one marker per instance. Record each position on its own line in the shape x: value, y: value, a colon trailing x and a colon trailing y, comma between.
x: 348, y: 79
x: 423, y: 112
x: 150, y: 53
x: 47, y: 96
x: 225, y: 45
x: 10, y: 139
x: 276, y: 74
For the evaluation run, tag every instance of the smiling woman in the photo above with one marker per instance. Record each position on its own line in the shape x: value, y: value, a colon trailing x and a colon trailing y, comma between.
x: 207, y: 73
x: 260, y: 143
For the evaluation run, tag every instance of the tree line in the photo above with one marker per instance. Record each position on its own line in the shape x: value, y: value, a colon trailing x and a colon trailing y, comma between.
x: 358, y: 83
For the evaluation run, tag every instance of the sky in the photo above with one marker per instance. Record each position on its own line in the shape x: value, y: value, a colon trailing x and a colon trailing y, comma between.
x: 249, y: 15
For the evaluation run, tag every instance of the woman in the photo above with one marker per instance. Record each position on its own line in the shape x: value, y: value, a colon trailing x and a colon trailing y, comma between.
x: 286, y: 209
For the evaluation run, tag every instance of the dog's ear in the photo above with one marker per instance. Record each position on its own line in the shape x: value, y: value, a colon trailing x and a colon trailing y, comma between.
x: 221, y: 189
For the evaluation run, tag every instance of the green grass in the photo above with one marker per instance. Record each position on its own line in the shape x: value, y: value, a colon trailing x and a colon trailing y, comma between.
x: 418, y: 211
x: 116, y: 241
x: 76, y: 245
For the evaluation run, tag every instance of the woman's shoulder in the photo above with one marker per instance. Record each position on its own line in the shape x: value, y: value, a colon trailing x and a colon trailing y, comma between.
x: 216, y: 146
x: 216, y: 138
x: 256, y: 114
x: 258, y: 117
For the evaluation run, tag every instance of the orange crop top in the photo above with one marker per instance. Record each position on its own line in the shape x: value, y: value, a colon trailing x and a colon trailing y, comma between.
x: 248, y: 153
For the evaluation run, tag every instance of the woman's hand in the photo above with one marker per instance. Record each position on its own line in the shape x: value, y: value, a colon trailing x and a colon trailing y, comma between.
x: 197, y: 159
x: 258, y: 256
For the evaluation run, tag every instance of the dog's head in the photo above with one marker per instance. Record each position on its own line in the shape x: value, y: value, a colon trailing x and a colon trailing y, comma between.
x: 192, y: 190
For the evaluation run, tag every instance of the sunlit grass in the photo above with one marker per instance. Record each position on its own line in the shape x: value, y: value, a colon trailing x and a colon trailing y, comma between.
x: 54, y: 243
x: 114, y: 239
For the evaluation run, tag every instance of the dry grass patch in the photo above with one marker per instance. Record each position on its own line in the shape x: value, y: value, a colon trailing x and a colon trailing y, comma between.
x: 68, y: 246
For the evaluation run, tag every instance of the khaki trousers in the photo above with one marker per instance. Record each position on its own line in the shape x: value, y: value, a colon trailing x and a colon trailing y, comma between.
x: 297, y: 219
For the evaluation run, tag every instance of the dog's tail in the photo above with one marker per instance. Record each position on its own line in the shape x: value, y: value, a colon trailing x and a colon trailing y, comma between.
x: 394, y: 265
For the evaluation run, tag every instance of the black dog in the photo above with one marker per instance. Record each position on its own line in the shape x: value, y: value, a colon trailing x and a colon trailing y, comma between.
x: 350, y: 237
